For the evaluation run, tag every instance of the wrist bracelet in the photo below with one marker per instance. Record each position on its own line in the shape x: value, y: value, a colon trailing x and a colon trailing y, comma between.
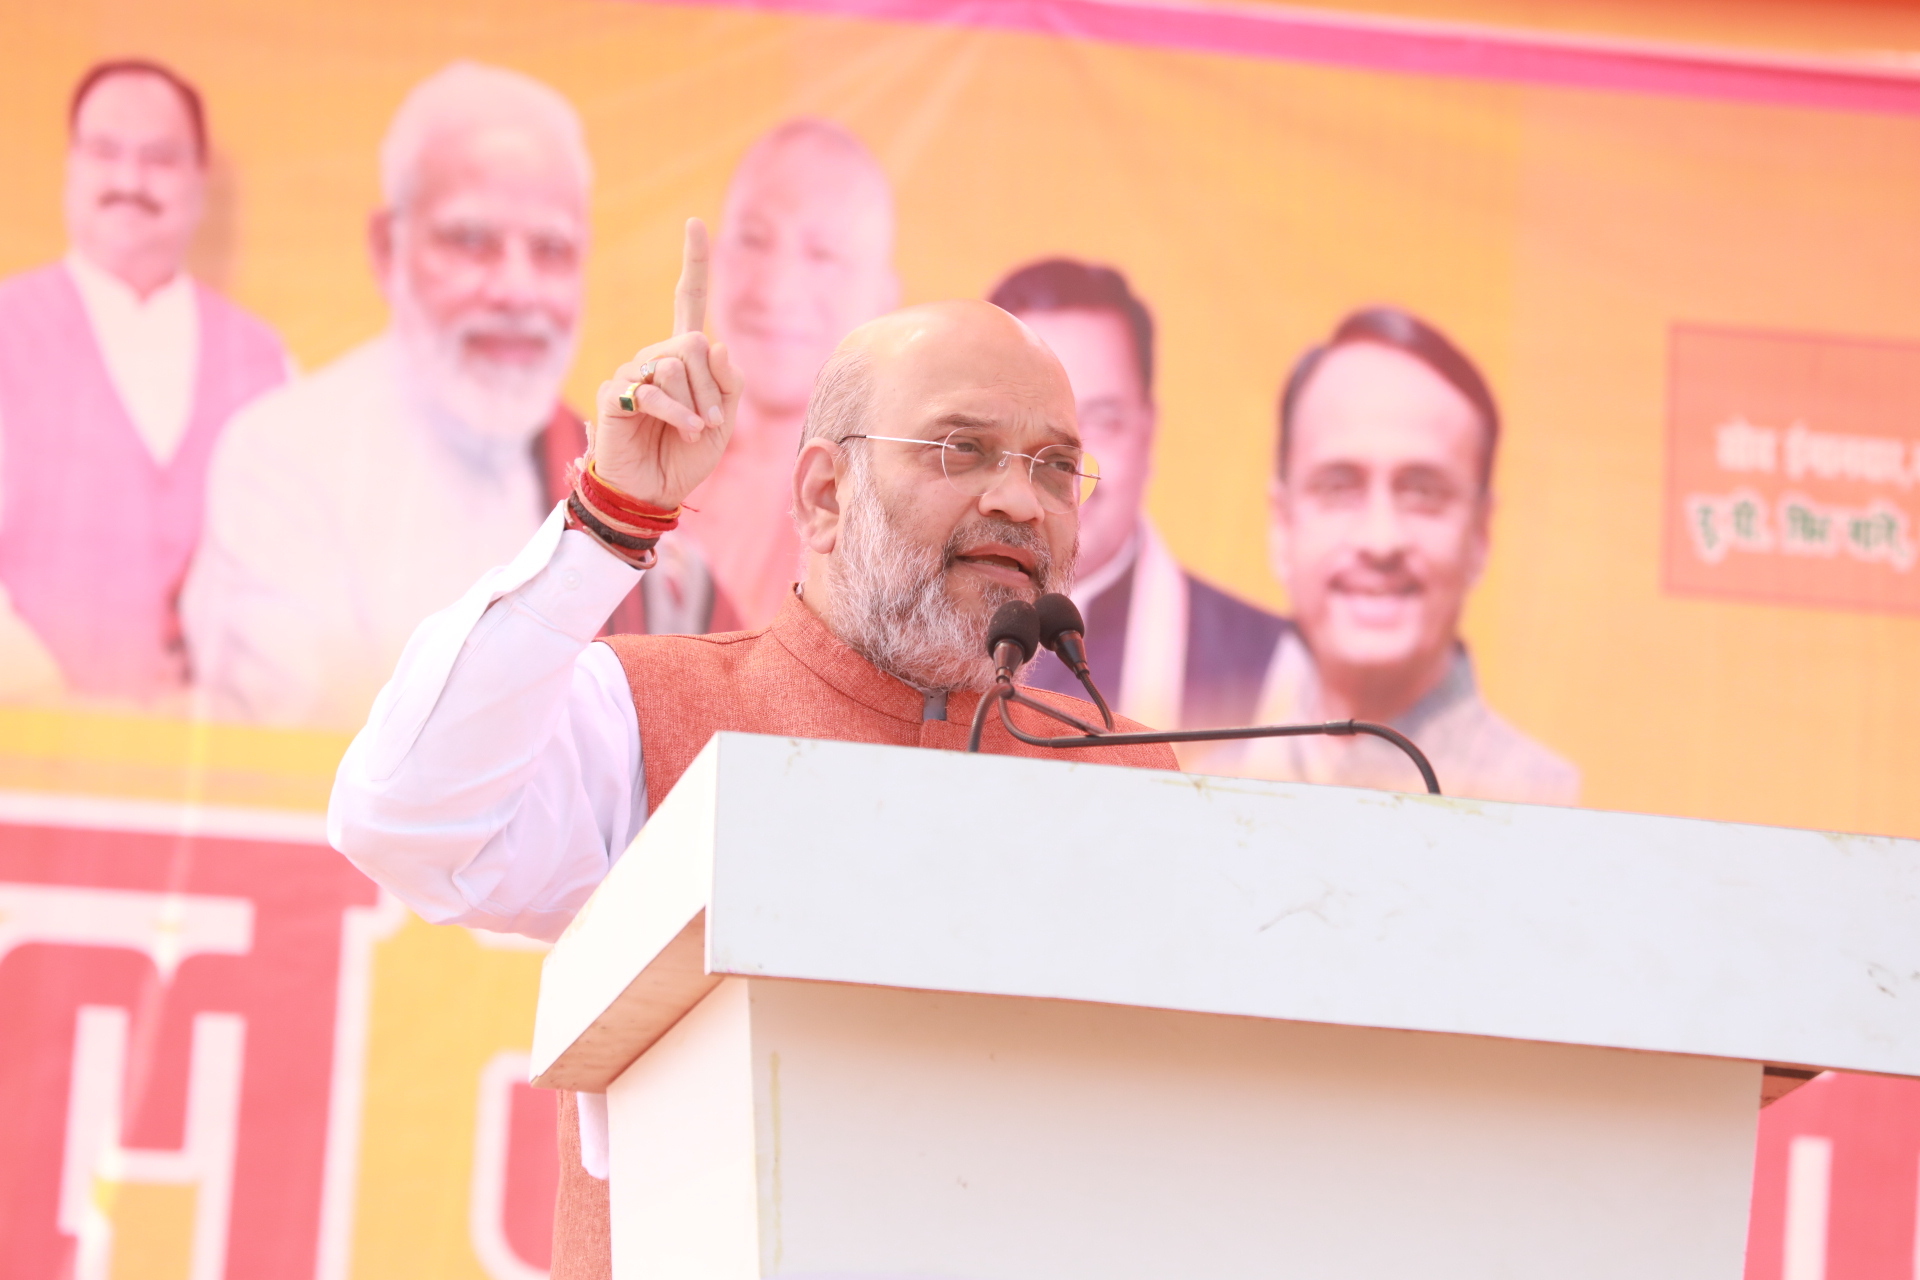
x: 618, y: 506
x: 637, y: 552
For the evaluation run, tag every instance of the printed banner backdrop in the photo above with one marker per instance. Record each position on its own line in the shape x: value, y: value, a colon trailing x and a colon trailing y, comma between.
x: 1691, y: 282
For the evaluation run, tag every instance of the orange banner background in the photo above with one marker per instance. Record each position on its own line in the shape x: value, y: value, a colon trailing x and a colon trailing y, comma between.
x: 1559, y: 234
x: 1556, y: 233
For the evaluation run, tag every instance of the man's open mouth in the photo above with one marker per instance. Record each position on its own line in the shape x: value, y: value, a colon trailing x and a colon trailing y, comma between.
x: 998, y: 566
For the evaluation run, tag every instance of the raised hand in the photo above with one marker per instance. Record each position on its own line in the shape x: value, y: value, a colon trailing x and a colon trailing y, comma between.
x: 682, y: 416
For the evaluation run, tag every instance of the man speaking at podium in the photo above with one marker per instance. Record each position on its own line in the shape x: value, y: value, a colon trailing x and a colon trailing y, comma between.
x: 511, y: 759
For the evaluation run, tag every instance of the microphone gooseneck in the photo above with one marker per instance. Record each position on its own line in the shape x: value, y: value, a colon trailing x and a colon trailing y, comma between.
x: 1016, y: 633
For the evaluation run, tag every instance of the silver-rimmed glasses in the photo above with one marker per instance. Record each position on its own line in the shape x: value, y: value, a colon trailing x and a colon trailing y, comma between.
x: 1062, y: 475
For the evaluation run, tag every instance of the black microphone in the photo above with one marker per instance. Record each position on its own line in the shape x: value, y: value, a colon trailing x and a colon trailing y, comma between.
x: 1013, y: 637
x: 1064, y: 631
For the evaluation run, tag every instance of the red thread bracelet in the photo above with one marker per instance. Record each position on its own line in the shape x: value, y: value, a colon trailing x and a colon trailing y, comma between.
x: 609, y: 501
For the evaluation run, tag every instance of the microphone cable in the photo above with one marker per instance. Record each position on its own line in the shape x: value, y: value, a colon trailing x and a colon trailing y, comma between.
x: 1056, y: 620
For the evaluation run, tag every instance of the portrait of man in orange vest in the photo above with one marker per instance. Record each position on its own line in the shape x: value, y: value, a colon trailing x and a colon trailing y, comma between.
x: 511, y: 759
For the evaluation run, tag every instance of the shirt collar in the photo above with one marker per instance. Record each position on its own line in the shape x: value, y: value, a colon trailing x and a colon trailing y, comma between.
x: 1456, y: 686
x: 801, y: 633
x: 101, y: 287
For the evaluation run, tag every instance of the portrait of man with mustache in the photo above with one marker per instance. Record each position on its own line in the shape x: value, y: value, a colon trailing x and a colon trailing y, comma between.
x: 118, y: 373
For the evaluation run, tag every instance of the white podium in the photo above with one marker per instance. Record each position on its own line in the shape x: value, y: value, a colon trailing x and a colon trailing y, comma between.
x: 884, y: 1012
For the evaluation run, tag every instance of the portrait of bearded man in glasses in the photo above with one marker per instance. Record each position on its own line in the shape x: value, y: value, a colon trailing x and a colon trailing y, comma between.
x: 350, y: 505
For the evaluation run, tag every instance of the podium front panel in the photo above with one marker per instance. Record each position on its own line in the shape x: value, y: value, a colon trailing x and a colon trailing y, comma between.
x: 817, y: 1129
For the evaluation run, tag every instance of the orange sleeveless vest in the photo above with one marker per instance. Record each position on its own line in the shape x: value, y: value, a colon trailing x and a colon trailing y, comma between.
x: 794, y: 679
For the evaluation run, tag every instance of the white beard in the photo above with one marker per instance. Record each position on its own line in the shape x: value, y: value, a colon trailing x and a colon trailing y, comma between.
x: 890, y: 599
x: 509, y: 403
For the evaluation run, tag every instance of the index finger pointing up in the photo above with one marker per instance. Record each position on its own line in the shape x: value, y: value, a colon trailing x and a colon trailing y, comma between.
x: 690, y: 296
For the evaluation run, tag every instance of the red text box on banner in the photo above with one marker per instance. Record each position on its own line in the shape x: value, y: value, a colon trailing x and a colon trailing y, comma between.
x: 1793, y: 469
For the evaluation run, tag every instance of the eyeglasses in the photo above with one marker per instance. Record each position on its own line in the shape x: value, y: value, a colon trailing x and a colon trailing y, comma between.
x: 1062, y: 475
x: 476, y: 244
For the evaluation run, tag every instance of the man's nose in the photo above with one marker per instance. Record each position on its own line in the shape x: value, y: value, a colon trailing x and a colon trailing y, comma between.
x: 513, y: 278
x: 1382, y: 532
x: 777, y: 280
x: 1013, y: 496
x: 126, y: 173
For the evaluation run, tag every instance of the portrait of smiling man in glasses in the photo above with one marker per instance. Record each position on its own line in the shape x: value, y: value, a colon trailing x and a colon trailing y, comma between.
x: 1382, y: 502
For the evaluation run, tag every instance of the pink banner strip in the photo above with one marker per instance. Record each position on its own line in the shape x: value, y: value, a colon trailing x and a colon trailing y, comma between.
x: 1408, y: 48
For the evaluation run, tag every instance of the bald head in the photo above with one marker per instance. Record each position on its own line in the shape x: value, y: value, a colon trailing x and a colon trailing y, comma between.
x: 957, y: 359
x: 805, y: 253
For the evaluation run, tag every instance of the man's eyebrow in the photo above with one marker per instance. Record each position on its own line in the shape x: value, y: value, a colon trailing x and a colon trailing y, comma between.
x: 958, y: 419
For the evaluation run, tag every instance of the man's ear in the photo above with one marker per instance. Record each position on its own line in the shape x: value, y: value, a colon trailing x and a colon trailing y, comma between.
x: 380, y: 245
x: 816, y: 495
x: 1481, y: 535
x: 1279, y: 531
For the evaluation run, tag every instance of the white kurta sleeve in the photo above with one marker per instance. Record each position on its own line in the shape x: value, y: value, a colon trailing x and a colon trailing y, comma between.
x: 498, y: 777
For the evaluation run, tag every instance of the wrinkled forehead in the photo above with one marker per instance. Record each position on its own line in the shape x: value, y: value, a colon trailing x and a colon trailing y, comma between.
x: 934, y: 386
x: 809, y: 180
x: 1371, y: 403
